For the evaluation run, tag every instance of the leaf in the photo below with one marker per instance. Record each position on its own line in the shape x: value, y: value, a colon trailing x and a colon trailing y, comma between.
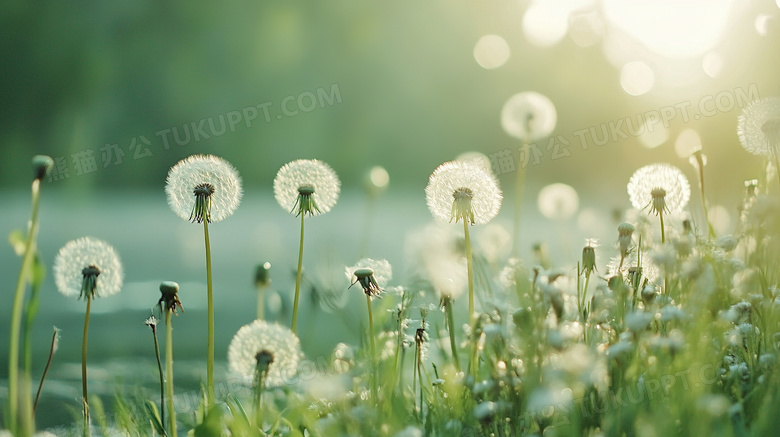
x: 18, y: 241
x: 211, y: 425
x: 98, y: 413
x: 154, y: 416
x: 232, y: 397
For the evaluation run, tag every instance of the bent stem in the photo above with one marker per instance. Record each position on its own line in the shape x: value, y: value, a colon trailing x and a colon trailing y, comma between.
x: 298, y: 280
x: 210, y: 346
x: 160, y: 372
x: 16, y: 315
x: 84, y: 392
x: 46, y: 369
x: 169, y: 370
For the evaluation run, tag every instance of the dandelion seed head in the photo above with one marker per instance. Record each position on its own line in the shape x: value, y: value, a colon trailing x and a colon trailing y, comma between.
x: 373, y: 275
x: 198, y: 175
x: 273, y: 341
x: 758, y: 127
x: 309, y: 174
x: 558, y: 201
x: 528, y: 116
x: 88, y: 253
x: 461, y: 191
x: 662, y: 186
x: 630, y: 264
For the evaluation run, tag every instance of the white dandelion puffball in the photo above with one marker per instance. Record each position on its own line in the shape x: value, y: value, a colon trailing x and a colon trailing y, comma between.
x: 758, y: 127
x: 310, y: 173
x: 382, y: 270
x: 558, y: 201
x: 197, y: 171
x: 278, y: 341
x: 85, y: 252
x: 528, y: 116
x: 455, y: 177
x: 654, y: 176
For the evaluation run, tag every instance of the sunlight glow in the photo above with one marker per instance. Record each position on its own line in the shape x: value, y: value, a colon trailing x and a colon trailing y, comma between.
x: 491, y: 51
x: 671, y: 28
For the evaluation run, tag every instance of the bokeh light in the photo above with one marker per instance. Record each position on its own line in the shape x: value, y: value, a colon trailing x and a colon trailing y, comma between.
x: 545, y: 23
x: 637, y: 78
x: 694, y: 28
x: 586, y: 28
x: 558, y: 201
x: 762, y: 24
x: 653, y: 134
x: 712, y: 64
x: 491, y: 51
x: 687, y: 142
x: 528, y: 116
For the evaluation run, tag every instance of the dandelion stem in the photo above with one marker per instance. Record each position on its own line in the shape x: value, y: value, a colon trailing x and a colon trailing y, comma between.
x: 160, y: 371
x: 46, y: 369
x: 260, y: 302
x: 84, y: 393
x: 470, y: 268
x: 704, y: 203
x: 373, y: 347
x: 519, y: 182
x: 777, y: 168
x: 16, y: 315
x: 210, y: 346
x: 663, y: 234
x: 451, y: 328
x: 298, y: 279
x: 169, y: 370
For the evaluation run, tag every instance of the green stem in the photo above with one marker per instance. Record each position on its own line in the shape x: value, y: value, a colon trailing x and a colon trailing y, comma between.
x: 519, y: 182
x: 470, y: 268
x: 169, y: 370
x: 373, y: 347
x: 704, y: 203
x: 210, y: 346
x: 298, y: 279
x: 46, y: 369
x: 663, y: 233
x: 260, y: 302
x: 16, y: 315
x: 84, y: 393
x: 258, y: 400
x: 160, y: 372
x: 451, y: 328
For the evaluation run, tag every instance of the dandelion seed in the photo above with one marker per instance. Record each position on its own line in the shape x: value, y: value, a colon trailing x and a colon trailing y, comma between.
x: 88, y: 266
x: 307, y: 186
x: 625, y: 232
x: 271, y: 346
x: 203, y: 187
x: 461, y: 191
x: 372, y: 275
x: 662, y: 187
x: 758, y: 127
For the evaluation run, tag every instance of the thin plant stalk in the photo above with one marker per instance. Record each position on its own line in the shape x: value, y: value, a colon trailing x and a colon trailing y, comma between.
x: 52, y: 349
x: 663, y: 233
x: 210, y: 346
x: 260, y: 302
x: 84, y: 392
x: 704, y: 202
x: 470, y: 268
x: 16, y: 314
x: 160, y: 372
x: 169, y: 370
x: 777, y: 169
x: 30, y: 310
x: 451, y: 329
x: 372, y: 342
x: 258, y: 399
x: 519, y: 183
x: 298, y: 279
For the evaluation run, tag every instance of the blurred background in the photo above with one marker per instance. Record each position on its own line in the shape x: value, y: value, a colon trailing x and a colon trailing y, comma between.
x: 119, y: 92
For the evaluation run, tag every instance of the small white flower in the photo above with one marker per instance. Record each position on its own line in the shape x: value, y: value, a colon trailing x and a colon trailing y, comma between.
x: 307, y: 186
x: 758, y: 127
x: 88, y: 266
x: 663, y: 187
x: 461, y: 191
x: 203, y: 187
x: 276, y: 344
